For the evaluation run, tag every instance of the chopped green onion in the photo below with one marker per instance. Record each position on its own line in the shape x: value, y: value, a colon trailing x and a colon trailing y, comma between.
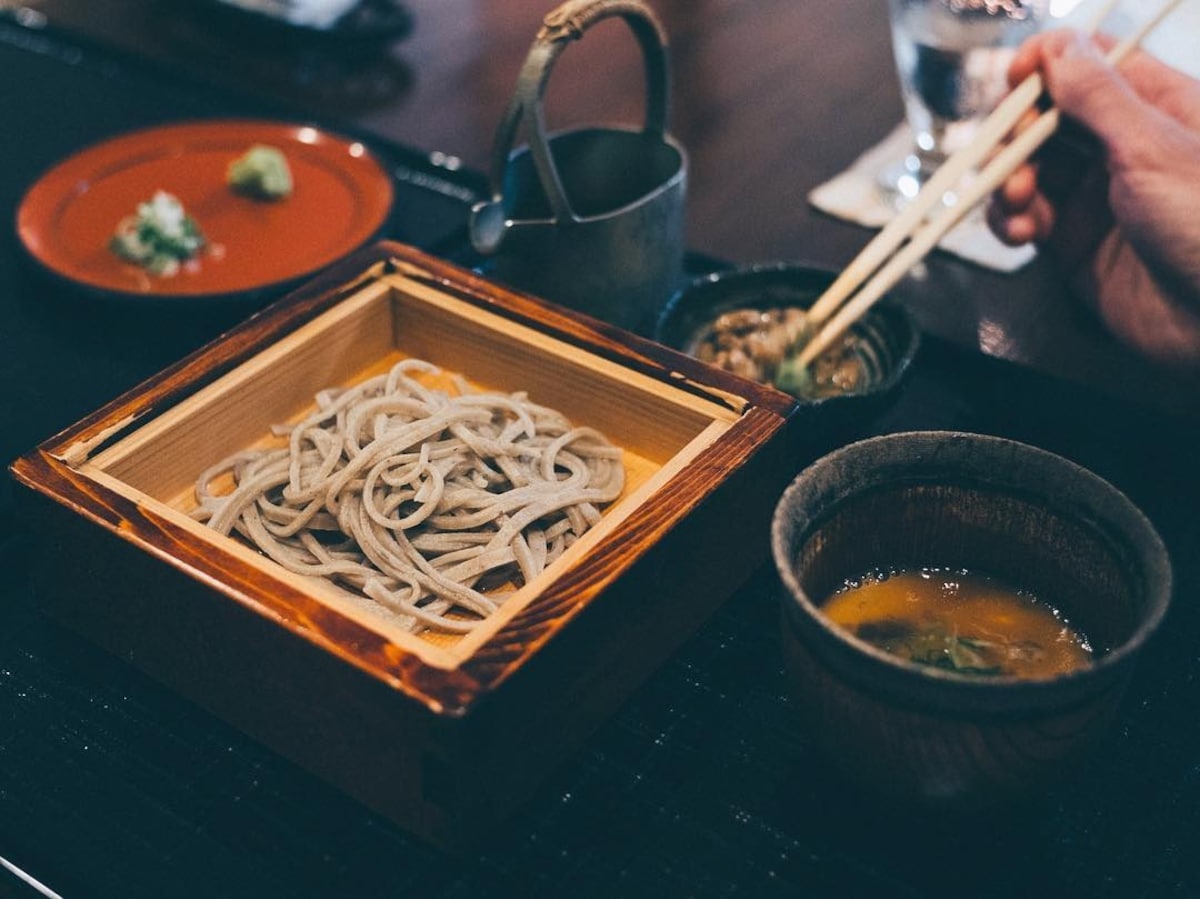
x: 159, y: 237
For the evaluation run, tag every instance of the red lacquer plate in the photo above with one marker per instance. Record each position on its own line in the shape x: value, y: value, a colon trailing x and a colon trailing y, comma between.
x: 340, y: 200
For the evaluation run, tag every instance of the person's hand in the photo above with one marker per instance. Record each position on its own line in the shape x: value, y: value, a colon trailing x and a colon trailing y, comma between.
x: 1127, y: 230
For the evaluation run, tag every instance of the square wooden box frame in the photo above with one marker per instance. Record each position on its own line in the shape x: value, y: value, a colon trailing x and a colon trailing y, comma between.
x: 444, y: 737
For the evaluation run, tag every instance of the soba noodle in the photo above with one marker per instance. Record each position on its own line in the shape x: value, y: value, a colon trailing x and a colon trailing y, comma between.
x: 416, y: 498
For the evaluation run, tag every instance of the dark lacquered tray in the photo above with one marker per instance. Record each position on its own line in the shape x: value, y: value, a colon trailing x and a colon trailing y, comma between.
x: 701, y: 785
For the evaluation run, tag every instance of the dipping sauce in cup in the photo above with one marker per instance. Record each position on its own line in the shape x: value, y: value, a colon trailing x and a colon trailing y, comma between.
x: 959, y: 620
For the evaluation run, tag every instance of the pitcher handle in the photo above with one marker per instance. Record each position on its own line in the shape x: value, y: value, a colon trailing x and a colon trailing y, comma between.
x: 561, y: 26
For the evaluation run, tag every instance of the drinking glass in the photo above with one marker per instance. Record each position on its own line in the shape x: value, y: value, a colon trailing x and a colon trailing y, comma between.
x: 951, y: 56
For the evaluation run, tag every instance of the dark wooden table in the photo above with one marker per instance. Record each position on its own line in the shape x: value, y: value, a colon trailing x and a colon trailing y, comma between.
x: 703, y: 784
x: 771, y: 98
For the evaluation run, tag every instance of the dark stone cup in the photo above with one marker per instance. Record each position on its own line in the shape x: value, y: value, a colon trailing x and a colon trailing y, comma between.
x: 989, y: 505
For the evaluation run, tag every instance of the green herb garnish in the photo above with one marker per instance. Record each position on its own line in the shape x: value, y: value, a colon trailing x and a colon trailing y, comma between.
x: 794, y: 378
x: 935, y: 648
x: 159, y: 237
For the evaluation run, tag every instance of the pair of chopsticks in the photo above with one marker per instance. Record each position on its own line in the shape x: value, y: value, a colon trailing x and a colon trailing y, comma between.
x: 908, y: 238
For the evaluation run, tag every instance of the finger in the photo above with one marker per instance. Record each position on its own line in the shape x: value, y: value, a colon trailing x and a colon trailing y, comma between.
x: 1013, y: 229
x: 1028, y: 58
x: 1045, y: 216
x: 1017, y: 193
x: 1034, y: 223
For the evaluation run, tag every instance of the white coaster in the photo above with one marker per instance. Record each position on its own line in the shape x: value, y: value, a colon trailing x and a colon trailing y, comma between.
x: 854, y: 195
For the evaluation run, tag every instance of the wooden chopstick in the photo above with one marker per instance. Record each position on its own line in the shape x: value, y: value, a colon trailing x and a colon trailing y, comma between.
x: 908, y: 225
x: 992, y: 130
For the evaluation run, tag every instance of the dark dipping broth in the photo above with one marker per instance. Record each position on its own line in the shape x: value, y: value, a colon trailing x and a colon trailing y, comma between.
x: 752, y: 342
x: 959, y: 621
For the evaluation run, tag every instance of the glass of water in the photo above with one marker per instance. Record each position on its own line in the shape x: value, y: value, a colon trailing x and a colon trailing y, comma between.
x: 952, y: 56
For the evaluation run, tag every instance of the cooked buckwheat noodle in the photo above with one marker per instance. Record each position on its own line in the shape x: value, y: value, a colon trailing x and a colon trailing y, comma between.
x: 418, y: 498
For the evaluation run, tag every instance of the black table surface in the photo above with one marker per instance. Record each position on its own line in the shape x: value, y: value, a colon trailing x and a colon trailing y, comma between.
x: 703, y: 784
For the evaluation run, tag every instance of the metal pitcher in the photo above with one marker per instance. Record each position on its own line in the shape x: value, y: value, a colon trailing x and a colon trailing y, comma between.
x: 592, y: 218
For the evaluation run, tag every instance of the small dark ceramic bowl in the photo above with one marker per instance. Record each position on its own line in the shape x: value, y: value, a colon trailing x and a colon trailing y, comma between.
x: 888, y: 337
x: 985, y: 504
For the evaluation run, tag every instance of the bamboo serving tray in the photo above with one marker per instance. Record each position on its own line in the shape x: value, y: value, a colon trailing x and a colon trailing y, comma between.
x: 445, y: 735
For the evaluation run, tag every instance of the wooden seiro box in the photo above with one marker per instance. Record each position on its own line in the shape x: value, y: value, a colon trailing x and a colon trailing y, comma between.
x: 442, y: 735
